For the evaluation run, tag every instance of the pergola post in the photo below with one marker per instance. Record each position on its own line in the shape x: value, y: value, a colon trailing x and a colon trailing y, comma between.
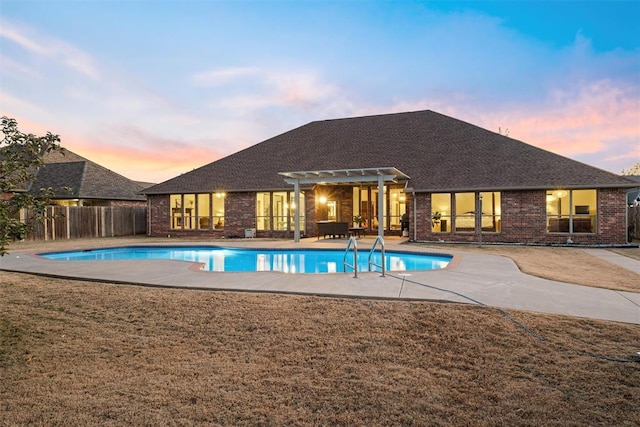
x: 380, y: 205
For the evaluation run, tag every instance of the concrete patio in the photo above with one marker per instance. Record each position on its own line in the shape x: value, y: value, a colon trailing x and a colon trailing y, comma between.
x: 470, y: 278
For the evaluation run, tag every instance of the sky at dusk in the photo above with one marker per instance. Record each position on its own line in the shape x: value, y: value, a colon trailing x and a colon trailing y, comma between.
x: 152, y: 89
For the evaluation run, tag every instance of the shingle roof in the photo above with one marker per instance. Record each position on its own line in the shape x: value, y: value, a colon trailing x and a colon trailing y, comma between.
x: 87, y: 180
x: 438, y: 153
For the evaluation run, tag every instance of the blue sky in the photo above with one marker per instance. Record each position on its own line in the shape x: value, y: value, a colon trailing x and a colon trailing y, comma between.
x: 152, y: 89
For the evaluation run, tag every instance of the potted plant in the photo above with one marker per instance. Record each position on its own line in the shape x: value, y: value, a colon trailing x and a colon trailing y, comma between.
x: 357, y: 220
x: 435, y: 218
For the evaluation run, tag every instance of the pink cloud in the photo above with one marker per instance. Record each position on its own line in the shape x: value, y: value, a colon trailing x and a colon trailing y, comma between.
x: 597, y: 122
x: 584, y: 121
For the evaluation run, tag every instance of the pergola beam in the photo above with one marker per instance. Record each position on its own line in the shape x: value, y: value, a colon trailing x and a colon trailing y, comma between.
x: 343, y: 176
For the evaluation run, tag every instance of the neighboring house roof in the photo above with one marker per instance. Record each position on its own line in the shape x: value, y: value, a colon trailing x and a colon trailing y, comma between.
x: 144, y: 184
x: 437, y: 152
x: 86, y: 179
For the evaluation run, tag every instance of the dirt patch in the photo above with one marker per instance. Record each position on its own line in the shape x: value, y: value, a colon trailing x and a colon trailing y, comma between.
x: 89, y: 353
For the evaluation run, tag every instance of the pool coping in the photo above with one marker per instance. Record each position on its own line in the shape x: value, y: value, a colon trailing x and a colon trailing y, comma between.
x: 490, y: 279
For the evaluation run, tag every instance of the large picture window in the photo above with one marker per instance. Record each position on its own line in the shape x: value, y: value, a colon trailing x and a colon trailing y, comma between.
x: 472, y: 211
x: 197, y: 211
x: 571, y: 211
x: 276, y: 210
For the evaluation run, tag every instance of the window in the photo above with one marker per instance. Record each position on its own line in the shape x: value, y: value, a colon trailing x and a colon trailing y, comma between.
x: 332, y: 210
x: 175, y: 201
x: 490, y: 208
x: 203, y: 212
x: 471, y: 210
x: 441, y: 213
x: 189, y: 211
x: 263, y: 211
x: 465, y: 216
x: 276, y: 210
x: 571, y: 211
x: 197, y: 211
x: 365, y: 205
x: 217, y: 209
x: 280, y: 210
x: 397, y: 207
x: 361, y: 206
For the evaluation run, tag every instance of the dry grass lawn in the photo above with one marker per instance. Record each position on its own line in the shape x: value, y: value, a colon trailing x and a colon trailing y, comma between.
x: 76, y: 353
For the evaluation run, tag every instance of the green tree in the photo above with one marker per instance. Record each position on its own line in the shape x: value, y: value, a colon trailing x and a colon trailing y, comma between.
x: 21, y: 155
x: 633, y: 170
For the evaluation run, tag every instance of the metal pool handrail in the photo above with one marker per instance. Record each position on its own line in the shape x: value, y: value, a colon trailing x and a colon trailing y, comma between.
x: 355, y: 256
x: 379, y: 240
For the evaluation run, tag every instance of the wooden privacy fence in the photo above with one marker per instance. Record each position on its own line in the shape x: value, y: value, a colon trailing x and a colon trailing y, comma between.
x: 76, y: 222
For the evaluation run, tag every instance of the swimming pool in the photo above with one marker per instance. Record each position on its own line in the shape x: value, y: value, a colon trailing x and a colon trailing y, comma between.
x: 300, y: 261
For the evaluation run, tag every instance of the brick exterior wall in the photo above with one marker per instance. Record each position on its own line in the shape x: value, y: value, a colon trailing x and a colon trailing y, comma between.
x: 239, y: 213
x: 612, y: 215
x: 159, y: 216
x: 310, y: 212
x: 343, y: 195
x: 524, y: 220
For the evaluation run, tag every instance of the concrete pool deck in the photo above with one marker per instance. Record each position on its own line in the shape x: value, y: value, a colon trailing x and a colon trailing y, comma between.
x: 471, y: 277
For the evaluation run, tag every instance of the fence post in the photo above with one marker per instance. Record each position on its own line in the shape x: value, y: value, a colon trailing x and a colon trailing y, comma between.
x: 67, y: 221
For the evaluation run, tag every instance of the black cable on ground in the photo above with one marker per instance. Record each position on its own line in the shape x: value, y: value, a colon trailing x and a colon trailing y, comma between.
x: 518, y: 323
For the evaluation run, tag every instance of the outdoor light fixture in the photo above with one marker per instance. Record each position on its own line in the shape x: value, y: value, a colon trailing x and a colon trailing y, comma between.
x: 322, y: 199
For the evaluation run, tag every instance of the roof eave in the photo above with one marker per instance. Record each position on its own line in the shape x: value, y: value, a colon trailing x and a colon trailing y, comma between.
x: 516, y: 188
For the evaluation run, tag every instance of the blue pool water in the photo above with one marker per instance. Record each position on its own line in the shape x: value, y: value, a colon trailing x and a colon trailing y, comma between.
x: 238, y: 260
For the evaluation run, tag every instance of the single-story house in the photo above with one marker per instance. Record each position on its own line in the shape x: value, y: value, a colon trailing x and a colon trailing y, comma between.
x: 456, y: 181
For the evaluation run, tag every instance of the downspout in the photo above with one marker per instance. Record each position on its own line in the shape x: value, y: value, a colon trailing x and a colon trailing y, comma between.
x: 415, y: 217
x: 296, y: 200
x: 415, y: 211
x: 629, y: 207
